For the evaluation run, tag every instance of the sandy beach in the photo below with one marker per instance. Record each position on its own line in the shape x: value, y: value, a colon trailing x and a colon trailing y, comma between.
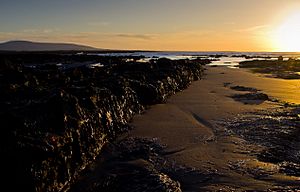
x: 189, y: 125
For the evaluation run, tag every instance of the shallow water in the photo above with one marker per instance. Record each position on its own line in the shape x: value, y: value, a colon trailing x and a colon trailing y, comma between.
x: 230, y: 59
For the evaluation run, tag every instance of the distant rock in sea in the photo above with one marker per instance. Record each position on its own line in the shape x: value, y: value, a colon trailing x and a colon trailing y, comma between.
x: 38, y: 46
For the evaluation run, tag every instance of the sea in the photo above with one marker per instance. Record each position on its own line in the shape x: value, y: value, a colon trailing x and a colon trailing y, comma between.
x: 226, y: 58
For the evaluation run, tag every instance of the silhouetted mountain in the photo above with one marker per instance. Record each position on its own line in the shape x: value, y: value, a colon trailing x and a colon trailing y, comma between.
x: 37, y: 46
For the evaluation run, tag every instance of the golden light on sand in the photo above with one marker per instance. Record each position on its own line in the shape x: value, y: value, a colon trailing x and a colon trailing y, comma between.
x: 287, y: 36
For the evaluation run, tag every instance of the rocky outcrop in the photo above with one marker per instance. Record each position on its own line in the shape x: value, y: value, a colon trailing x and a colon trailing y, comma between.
x: 131, y: 164
x: 279, y: 69
x: 56, y: 121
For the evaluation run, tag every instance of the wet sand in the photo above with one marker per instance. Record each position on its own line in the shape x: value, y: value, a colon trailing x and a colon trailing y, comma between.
x: 188, y: 124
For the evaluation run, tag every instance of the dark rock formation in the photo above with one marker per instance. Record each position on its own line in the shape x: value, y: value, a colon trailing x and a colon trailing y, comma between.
x: 280, y: 58
x: 242, y: 88
x: 132, y: 164
x: 56, y: 121
x: 139, y: 164
x: 251, y: 95
x: 278, y: 69
x: 251, y: 98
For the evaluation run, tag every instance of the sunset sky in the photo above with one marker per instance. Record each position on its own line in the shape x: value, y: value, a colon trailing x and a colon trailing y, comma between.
x: 191, y: 25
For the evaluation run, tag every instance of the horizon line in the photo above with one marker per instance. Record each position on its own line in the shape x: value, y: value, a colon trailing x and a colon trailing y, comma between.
x: 146, y: 50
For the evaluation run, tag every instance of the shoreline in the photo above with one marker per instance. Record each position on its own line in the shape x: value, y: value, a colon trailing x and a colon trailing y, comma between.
x: 188, y: 124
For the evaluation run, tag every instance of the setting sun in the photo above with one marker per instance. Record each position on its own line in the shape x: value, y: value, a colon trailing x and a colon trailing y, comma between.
x: 287, y: 35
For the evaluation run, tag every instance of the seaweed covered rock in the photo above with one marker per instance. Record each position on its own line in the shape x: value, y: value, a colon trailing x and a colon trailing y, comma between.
x: 251, y: 98
x: 274, y: 68
x: 128, y: 165
x: 55, y: 121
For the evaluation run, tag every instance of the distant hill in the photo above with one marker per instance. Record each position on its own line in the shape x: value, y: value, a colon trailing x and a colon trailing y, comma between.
x: 37, y: 46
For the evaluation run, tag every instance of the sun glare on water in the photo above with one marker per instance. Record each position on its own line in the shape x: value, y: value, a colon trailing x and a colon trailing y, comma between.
x: 287, y: 35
